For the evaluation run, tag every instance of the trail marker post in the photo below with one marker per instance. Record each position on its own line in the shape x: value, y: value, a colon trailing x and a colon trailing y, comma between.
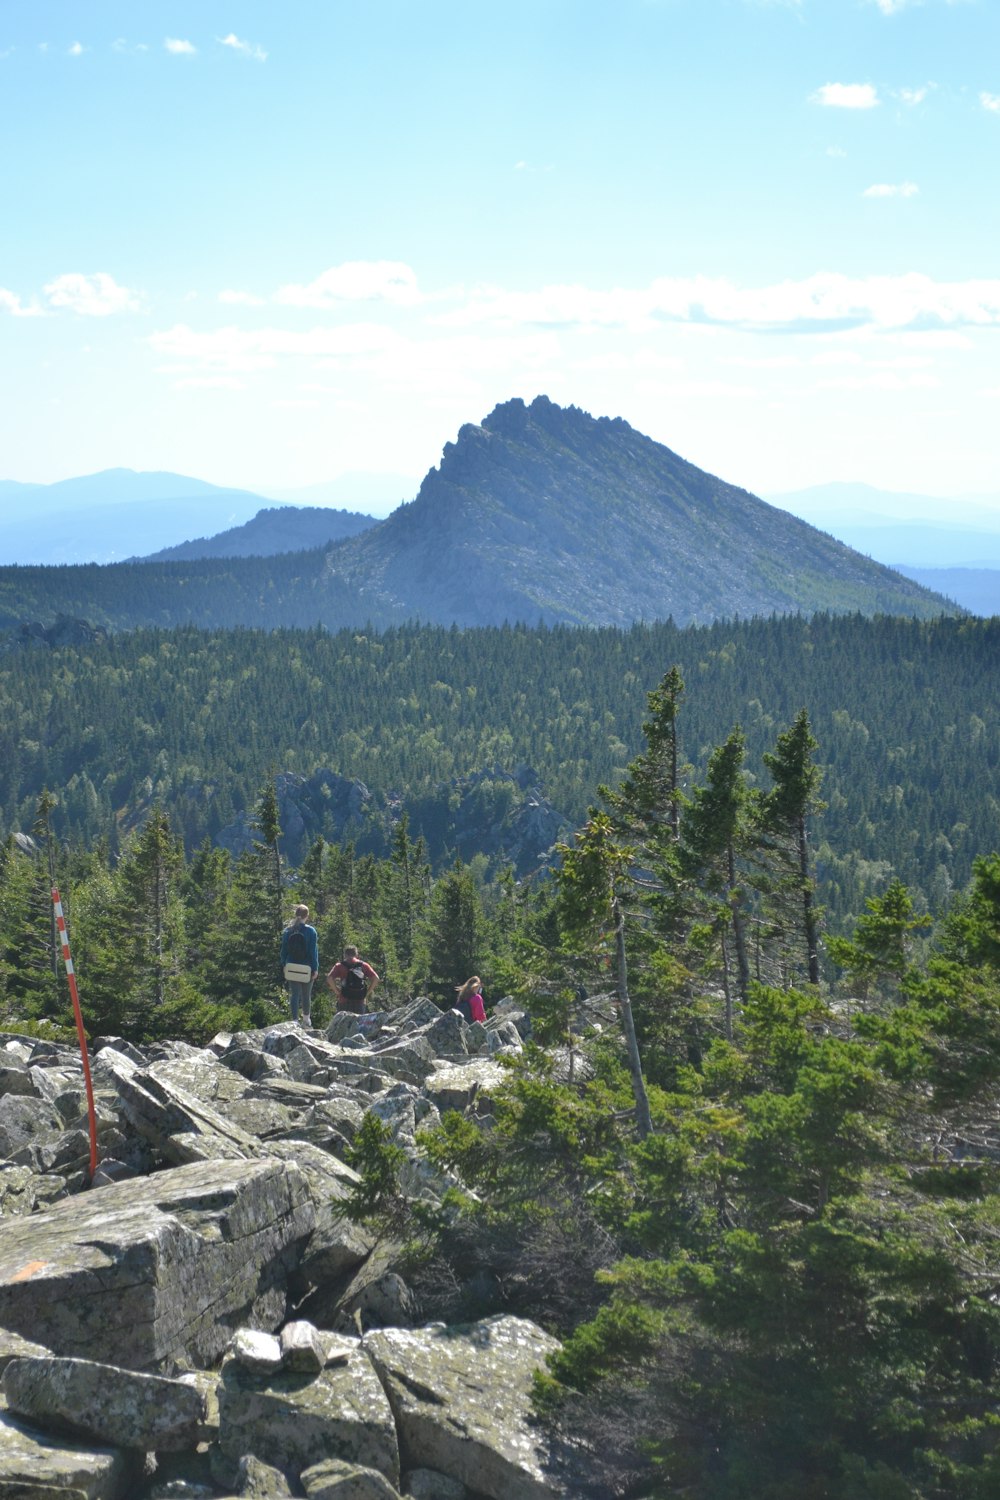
x: 81, y: 1035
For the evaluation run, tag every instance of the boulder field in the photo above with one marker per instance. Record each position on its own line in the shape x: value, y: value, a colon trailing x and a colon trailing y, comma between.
x: 149, y: 1343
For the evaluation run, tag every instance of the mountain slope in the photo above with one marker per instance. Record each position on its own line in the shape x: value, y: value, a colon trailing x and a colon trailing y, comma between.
x: 544, y: 513
x: 290, y: 528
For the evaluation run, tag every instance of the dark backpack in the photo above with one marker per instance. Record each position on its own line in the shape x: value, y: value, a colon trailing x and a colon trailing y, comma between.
x: 354, y: 985
x: 297, y: 947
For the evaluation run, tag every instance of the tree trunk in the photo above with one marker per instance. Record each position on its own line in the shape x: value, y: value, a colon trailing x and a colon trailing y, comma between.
x: 808, y: 906
x: 643, y: 1121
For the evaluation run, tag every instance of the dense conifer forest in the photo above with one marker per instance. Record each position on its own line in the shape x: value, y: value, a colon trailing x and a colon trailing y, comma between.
x: 905, y: 713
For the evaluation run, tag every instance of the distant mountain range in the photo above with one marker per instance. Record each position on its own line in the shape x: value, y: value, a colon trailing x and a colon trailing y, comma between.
x: 539, y: 513
x: 116, y: 514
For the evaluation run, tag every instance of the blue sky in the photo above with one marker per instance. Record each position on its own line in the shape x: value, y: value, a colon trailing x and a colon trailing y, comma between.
x: 267, y: 245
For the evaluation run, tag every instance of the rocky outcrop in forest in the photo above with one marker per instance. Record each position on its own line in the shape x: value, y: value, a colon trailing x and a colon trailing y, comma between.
x: 203, y: 1318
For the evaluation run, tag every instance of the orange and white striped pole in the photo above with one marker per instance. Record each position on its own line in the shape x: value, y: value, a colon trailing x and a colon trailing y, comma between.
x: 81, y: 1036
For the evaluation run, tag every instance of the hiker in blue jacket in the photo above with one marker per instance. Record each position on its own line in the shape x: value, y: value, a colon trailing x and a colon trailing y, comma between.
x: 299, y: 953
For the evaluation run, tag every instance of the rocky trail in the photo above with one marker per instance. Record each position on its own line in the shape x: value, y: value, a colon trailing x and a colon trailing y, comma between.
x: 150, y: 1342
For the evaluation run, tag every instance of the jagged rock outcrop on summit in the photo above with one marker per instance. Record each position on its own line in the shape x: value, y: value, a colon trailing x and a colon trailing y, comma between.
x: 542, y: 512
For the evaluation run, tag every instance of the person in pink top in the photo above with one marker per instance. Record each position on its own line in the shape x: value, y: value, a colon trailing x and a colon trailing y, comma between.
x: 469, y: 999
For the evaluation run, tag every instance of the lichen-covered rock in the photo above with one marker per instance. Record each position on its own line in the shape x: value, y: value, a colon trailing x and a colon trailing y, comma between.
x: 461, y: 1399
x: 430, y: 1484
x: 146, y: 1274
x: 296, y: 1421
x: 457, y: 1086
x: 105, y: 1404
x: 302, y: 1349
x: 337, y: 1480
x: 35, y: 1467
x: 25, y: 1119
x: 13, y: 1346
x: 259, y: 1481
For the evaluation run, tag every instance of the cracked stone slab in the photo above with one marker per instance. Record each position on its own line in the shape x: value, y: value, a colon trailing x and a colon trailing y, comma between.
x: 148, y: 1274
x: 462, y: 1402
x: 105, y: 1404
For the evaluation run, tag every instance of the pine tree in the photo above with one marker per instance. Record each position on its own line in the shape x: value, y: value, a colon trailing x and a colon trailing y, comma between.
x: 718, y: 831
x: 786, y: 810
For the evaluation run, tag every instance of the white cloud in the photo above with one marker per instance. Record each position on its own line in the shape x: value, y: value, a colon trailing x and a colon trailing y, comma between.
x: 13, y: 304
x: 883, y: 380
x: 891, y: 190
x: 91, y: 296
x: 990, y: 102
x: 846, y: 96
x: 249, y: 49
x: 76, y: 50
x: 836, y: 151
x: 893, y: 7
x: 913, y: 97
x: 241, y: 299
x: 179, y: 47
x: 825, y: 302
x: 355, y: 281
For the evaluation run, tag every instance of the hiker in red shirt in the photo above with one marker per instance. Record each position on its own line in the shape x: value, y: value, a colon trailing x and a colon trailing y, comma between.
x: 352, y: 981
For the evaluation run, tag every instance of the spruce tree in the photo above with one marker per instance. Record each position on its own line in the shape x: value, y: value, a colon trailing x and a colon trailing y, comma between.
x: 786, y: 811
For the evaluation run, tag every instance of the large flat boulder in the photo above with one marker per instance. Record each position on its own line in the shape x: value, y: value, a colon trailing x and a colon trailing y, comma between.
x: 36, y: 1467
x: 105, y: 1404
x: 296, y: 1420
x: 462, y: 1401
x: 149, y: 1273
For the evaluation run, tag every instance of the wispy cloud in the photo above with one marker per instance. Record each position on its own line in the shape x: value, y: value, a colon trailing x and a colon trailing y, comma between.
x: 846, y: 96
x: 77, y: 49
x: 893, y: 7
x: 12, y: 303
x: 97, y: 296
x: 837, y: 152
x: 355, y: 281
x: 912, y: 97
x: 824, y: 302
x: 990, y: 102
x: 237, y: 44
x: 179, y: 47
x: 891, y: 190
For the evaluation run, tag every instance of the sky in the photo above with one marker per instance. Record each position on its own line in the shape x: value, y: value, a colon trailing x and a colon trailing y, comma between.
x: 268, y: 245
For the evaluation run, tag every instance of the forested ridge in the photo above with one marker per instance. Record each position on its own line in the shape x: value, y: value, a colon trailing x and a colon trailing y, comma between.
x: 905, y: 712
x: 755, y: 1197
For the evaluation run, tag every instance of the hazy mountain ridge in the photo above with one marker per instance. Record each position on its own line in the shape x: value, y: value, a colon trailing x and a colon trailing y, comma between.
x: 271, y: 532
x: 539, y: 513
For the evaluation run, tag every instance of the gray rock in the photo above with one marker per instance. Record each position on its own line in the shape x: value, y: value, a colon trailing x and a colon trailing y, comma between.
x: 302, y: 1348
x: 179, y: 1124
x: 336, y: 1245
x: 256, y: 1351
x: 17, y: 1190
x: 24, y: 1120
x: 448, y: 1034
x: 345, y: 1023
x: 13, y: 1346
x: 295, y: 1422
x: 35, y: 1467
x: 462, y: 1401
x: 15, y: 1079
x: 429, y: 1484
x: 105, y: 1404
x: 504, y: 1037
x: 260, y: 1481
x: 456, y: 1087
x: 337, y: 1480
x: 386, y: 1302
x: 145, y: 1274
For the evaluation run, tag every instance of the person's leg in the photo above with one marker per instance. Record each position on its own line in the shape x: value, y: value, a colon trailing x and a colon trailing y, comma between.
x: 307, y: 1003
x: 293, y: 1000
